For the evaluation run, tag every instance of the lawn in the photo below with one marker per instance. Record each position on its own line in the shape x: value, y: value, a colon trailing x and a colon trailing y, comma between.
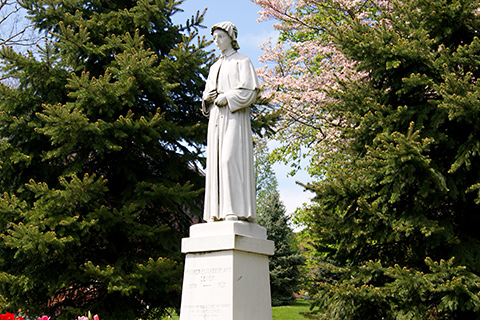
x: 291, y: 312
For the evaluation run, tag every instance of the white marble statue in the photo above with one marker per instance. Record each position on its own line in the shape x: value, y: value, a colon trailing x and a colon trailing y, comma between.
x: 231, y: 87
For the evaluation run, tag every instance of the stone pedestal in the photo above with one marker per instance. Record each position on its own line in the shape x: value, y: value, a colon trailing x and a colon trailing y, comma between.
x: 226, y: 274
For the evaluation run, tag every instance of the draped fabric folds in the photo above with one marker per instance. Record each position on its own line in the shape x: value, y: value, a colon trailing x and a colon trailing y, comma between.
x: 230, y: 178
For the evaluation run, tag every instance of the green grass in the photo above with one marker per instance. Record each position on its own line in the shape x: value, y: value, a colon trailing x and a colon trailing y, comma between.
x: 291, y: 312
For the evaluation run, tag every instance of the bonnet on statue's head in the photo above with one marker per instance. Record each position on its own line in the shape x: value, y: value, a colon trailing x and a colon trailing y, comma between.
x: 229, y: 28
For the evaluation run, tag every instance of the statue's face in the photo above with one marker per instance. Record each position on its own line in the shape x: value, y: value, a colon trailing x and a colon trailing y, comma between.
x: 221, y: 39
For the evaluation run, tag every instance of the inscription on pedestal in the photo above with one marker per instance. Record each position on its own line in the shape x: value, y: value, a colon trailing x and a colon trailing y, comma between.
x: 207, y: 290
x: 206, y: 311
x: 207, y: 277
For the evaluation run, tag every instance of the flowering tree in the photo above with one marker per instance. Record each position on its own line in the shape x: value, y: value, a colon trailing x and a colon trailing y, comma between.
x: 392, y: 223
x: 306, y: 66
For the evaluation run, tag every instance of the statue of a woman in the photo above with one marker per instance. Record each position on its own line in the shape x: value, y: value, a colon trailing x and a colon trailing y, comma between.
x: 231, y: 87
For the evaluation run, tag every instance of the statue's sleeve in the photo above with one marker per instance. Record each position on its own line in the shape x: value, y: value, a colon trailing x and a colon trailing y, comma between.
x: 247, y: 87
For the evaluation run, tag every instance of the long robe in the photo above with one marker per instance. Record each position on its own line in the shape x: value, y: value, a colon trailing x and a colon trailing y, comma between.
x: 230, y: 178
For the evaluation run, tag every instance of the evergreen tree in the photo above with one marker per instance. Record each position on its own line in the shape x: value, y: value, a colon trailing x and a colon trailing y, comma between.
x: 266, y: 181
x: 99, y: 153
x: 284, y: 264
x: 396, y: 215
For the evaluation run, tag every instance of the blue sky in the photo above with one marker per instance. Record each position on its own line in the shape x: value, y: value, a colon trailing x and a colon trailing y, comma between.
x: 251, y: 34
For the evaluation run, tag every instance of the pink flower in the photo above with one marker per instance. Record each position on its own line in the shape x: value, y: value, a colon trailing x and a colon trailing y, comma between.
x: 44, y: 318
x: 95, y: 317
x: 82, y: 318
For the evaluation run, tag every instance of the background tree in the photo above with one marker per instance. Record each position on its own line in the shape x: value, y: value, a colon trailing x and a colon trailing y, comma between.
x: 285, y: 263
x: 100, y: 154
x: 265, y: 176
x: 393, y: 216
x: 14, y: 29
x: 303, y: 66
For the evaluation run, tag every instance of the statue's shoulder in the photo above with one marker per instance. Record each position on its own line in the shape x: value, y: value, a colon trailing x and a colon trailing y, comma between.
x: 242, y: 60
x: 240, y: 57
x: 217, y: 62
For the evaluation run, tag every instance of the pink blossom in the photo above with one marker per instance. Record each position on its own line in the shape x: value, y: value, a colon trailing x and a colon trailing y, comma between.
x: 95, y: 317
x: 44, y: 318
x: 300, y: 71
x: 82, y: 318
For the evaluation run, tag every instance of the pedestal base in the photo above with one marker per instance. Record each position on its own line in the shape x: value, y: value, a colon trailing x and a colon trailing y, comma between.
x: 226, y: 274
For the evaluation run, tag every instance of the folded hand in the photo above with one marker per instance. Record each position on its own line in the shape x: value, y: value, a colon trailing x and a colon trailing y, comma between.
x: 210, y: 96
x: 221, y: 100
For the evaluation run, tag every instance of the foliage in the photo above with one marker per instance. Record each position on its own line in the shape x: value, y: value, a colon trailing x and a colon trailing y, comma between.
x: 266, y: 181
x: 285, y: 263
x: 395, y: 213
x: 100, y: 151
x: 306, y: 66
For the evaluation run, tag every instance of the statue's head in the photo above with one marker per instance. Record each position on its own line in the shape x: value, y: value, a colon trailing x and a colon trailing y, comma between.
x: 230, y: 29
